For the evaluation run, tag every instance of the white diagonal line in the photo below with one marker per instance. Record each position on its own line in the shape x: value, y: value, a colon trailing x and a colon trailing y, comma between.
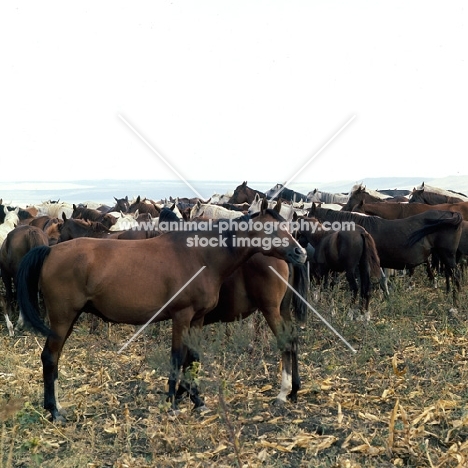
x: 313, y: 157
x: 313, y: 310
x: 139, y: 135
x: 161, y: 309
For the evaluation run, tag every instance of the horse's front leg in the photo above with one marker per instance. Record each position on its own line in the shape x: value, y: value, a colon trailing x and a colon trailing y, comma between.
x: 180, y: 328
x: 283, y: 331
x: 190, y: 368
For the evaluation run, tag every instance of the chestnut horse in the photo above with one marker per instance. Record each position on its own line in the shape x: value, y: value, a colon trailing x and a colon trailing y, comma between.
x: 395, y: 210
x: 244, y: 194
x: 254, y: 286
x: 434, y: 196
x: 176, y: 276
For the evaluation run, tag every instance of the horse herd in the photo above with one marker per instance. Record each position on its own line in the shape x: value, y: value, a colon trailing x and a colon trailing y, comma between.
x: 121, y: 263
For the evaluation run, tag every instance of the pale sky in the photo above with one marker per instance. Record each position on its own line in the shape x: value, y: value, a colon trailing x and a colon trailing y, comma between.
x: 233, y: 90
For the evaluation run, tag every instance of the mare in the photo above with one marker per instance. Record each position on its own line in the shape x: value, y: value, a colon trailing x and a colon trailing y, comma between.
x: 352, y: 251
x: 326, y: 197
x: 122, y: 205
x: 10, y: 221
x: 434, y: 196
x: 55, y: 209
x: 144, y: 206
x: 280, y: 191
x: 407, y: 243
x: 254, y: 286
x: 207, y: 210
x: 23, y: 214
x: 73, y: 228
x: 244, y: 194
x: 359, y: 192
x: 49, y: 225
x: 286, y: 211
x: 18, y: 242
x: 134, y: 282
x: 90, y: 214
x: 395, y: 210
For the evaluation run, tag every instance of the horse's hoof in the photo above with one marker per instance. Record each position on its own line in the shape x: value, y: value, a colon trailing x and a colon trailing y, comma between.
x: 59, y: 419
x: 201, y: 409
x: 174, y: 412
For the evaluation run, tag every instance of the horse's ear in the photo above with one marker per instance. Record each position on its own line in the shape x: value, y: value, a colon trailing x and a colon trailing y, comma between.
x: 294, y: 216
x: 116, y: 199
x: 277, y: 207
x: 74, y: 207
x: 138, y: 199
x: 264, y: 205
x: 244, y: 183
x: 172, y: 207
x: 64, y: 216
x: 136, y: 214
x: 199, y: 203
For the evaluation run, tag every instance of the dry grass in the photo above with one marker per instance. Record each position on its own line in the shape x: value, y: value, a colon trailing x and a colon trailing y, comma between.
x: 402, y: 400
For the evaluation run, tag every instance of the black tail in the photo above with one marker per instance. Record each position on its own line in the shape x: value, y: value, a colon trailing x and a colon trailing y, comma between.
x: 301, y: 284
x: 447, y: 218
x: 27, y: 287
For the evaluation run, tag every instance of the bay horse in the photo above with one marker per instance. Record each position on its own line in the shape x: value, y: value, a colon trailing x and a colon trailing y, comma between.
x: 407, y: 243
x: 91, y: 214
x: 176, y: 276
x: 244, y: 194
x: 434, y: 196
x: 254, y: 286
x: 360, y: 193
x: 17, y: 244
x: 340, y: 250
x: 395, y: 210
x: 144, y: 206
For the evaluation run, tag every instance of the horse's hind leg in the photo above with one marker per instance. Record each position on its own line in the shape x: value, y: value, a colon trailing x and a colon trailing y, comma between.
x: 7, y: 303
x: 50, y: 357
x: 186, y: 384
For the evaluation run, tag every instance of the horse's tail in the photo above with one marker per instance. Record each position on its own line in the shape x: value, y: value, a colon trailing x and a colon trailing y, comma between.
x: 300, y: 284
x: 446, y: 218
x: 27, y: 287
x: 369, y: 265
x: 371, y: 255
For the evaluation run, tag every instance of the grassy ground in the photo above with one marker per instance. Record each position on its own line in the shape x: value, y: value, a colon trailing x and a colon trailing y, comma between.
x: 401, y: 400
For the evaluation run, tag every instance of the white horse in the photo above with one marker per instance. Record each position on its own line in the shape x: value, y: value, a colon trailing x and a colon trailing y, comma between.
x: 10, y: 222
x: 54, y: 210
x: 286, y: 211
x: 213, y: 211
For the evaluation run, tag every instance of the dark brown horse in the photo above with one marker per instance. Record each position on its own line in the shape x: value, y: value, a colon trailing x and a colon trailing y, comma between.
x: 89, y: 214
x: 360, y: 193
x: 254, y: 286
x: 408, y: 242
x: 352, y: 251
x: 435, y: 196
x: 393, y: 210
x: 17, y: 244
x: 176, y: 276
x: 74, y: 228
x: 244, y: 194
x: 144, y: 206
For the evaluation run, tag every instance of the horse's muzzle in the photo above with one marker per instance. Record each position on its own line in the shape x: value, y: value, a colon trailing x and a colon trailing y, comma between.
x: 298, y: 256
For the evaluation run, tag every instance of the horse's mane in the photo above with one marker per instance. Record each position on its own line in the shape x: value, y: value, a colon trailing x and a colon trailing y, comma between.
x: 374, y: 193
x: 439, y: 191
x: 346, y: 216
